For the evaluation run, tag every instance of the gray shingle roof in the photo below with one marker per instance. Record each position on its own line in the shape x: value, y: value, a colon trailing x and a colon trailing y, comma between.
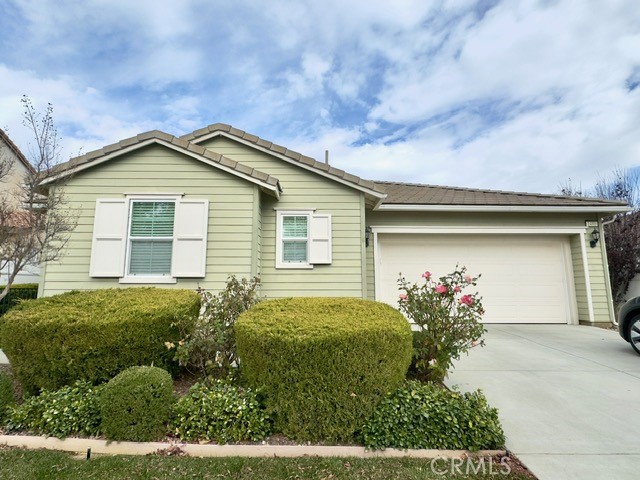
x: 417, y: 194
x: 182, y: 144
x: 278, y: 149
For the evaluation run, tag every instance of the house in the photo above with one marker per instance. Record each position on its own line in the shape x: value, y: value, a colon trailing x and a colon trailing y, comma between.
x: 17, y: 166
x: 185, y: 212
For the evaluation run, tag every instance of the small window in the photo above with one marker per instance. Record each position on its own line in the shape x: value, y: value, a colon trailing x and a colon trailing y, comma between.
x: 151, y: 238
x: 303, y: 239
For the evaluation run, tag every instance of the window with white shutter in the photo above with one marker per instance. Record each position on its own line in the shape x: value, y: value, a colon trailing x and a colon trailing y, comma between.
x: 303, y: 239
x: 149, y: 239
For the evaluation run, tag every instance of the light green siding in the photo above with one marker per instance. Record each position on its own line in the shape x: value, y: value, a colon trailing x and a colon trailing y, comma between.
x: 231, y: 226
x: 304, y: 189
x: 599, y: 292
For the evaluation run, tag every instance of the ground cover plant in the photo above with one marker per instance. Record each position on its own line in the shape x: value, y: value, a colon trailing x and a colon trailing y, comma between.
x: 71, y: 410
x: 323, y: 363
x: 220, y: 412
x: 448, y: 320
x: 93, y: 335
x: 427, y: 415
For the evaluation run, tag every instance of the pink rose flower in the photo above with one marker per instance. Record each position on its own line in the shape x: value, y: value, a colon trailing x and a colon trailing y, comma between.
x: 403, y: 296
x: 441, y: 289
x: 457, y: 289
x: 426, y: 275
x: 466, y: 300
x: 468, y: 279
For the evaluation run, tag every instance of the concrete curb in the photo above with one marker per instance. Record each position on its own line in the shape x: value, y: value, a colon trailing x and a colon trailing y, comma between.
x: 80, y: 445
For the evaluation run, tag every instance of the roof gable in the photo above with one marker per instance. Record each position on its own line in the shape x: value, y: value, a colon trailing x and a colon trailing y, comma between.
x: 267, y: 182
x: 296, y: 158
x: 14, y: 148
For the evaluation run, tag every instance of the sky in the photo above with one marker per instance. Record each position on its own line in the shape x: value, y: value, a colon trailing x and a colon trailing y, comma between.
x: 510, y: 95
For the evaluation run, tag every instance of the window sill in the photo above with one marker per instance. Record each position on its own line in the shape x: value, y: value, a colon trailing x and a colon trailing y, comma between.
x: 294, y: 266
x: 148, y: 280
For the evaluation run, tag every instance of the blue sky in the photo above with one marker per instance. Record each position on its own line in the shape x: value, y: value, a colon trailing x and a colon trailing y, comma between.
x: 512, y: 95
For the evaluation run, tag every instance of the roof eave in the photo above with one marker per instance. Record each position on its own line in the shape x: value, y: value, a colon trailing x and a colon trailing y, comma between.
x: 504, y: 208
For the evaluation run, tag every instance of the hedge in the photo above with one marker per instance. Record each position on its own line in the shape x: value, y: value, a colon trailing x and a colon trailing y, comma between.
x: 92, y: 336
x: 323, y: 363
x: 136, y: 404
x: 426, y: 415
x: 22, y: 291
x: 6, y: 394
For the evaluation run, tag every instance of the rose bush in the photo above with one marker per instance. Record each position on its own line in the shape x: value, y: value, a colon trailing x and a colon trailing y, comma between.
x: 448, y: 321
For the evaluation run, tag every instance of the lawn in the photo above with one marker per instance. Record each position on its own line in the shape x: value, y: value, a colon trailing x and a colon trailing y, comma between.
x: 18, y: 464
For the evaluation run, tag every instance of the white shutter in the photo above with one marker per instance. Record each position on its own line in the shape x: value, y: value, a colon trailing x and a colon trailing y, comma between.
x: 109, y: 238
x: 190, y: 238
x: 320, y: 238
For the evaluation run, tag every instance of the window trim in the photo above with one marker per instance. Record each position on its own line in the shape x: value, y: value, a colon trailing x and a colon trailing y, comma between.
x: 280, y: 214
x: 127, y: 277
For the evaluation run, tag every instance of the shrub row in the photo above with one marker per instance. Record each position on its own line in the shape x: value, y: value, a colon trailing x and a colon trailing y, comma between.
x: 138, y: 405
x: 426, y: 415
x: 22, y: 291
x: 323, y: 363
x: 92, y: 336
x: 6, y: 394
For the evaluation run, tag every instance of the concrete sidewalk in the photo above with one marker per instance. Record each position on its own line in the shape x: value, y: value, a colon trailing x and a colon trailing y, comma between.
x: 567, y: 395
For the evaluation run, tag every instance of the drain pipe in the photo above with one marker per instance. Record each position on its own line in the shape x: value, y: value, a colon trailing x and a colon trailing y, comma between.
x: 614, y: 319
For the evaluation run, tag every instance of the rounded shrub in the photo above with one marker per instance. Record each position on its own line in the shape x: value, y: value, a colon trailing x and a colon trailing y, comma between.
x: 7, y: 398
x: 136, y: 404
x: 426, y: 415
x: 93, y: 335
x: 323, y: 363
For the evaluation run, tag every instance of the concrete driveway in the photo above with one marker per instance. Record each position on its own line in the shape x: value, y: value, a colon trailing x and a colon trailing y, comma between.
x: 568, y: 397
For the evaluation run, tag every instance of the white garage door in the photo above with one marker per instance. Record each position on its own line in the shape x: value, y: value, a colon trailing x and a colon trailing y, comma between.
x: 525, y: 278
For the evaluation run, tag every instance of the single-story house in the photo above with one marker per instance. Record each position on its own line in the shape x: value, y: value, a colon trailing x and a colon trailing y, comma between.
x: 189, y: 211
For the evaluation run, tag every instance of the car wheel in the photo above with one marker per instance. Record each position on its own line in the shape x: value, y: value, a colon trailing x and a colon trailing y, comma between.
x: 633, y: 331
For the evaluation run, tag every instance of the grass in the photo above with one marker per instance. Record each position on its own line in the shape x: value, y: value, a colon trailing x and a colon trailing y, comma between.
x: 18, y: 464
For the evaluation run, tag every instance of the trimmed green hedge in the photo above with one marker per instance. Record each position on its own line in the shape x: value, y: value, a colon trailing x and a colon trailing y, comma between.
x: 323, y: 363
x: 22, y: 291
x: 426, y: 415
x: 136, y: 404
x: 54, y: 341
x: 6, y: 394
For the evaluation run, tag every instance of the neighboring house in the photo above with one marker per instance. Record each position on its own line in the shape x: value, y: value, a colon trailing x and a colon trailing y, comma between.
x: 9, y: 191
x: 186, y: 212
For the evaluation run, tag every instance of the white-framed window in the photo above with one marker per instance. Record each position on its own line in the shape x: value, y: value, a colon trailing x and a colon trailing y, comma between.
x: 303, y: 239
x: 149, y: 238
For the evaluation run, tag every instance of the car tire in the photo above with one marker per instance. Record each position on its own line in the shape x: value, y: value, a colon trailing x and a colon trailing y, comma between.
x: 633, y: 333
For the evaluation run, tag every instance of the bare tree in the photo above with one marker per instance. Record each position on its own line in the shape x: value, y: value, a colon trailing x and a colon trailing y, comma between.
x: 35, y: 221
x: 622, y: 231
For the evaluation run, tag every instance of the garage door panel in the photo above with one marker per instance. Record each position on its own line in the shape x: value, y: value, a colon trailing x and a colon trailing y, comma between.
x: 524, y: 278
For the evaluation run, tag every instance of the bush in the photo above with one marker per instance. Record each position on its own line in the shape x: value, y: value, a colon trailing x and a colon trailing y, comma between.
x: 21, y: 291
x: 323, y: 363
x: 448, y: 321
x: 220, y: 412
x: 210, y: 345
x: 54, y: 341
x: 6, y: 394
x: 136, y: 404
x: 71, y: 410
x: 430, y: 416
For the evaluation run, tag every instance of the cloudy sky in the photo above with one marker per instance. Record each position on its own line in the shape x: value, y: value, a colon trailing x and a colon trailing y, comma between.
x: 516, y: 95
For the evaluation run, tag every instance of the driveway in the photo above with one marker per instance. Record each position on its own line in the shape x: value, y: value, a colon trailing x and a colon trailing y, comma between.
x: 568, y: 397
